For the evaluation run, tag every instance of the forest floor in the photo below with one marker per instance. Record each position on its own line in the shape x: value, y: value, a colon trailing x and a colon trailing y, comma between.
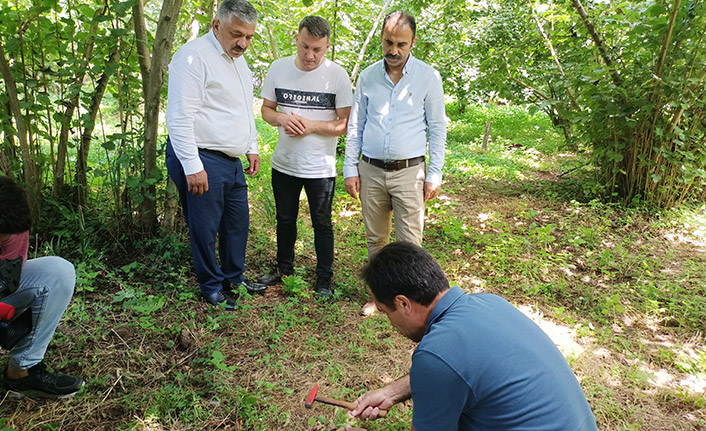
x: 622, y: 292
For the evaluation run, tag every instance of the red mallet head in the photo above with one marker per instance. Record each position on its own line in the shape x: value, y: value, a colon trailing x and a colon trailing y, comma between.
x: 312, y: 395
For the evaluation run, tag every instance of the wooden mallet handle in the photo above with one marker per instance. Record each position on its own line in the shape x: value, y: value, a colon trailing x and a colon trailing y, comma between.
x: 344, y: 404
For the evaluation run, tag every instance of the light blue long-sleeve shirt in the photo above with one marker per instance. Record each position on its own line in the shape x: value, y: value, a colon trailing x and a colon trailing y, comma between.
x: 395, y: 122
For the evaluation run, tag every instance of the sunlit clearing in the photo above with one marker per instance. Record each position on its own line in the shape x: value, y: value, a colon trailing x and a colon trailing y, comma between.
x: 150, y: 423
x: 478, y: 284
x: 348, y: 213
x: 562, y: 336
x: 483, y: 217
x: 662, y: 378
x: 692, y: 229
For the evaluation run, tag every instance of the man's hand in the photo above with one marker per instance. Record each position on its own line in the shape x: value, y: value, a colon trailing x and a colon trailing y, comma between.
x: 431, y: 191
x: 353, y: 186
x: 294, y: 125
x: 253, y: 165
x: 198, y: 183
x: 310, y: 126
x: 371, y: 403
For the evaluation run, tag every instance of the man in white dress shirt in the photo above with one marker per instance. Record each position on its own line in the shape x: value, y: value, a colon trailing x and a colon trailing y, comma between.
x: 398, y: 111
x: 211, y: 126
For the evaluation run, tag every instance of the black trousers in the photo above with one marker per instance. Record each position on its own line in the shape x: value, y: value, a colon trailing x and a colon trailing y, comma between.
x: 319, y: 192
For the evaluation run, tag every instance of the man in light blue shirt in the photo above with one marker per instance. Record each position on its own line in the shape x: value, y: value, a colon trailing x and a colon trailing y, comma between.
x: 397, y: 109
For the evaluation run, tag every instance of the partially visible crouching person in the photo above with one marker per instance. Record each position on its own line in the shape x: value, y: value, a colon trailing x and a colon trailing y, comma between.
x: 44, y: 286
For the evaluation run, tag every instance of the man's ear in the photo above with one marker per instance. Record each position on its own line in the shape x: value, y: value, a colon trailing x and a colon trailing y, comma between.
x: 404, y: 302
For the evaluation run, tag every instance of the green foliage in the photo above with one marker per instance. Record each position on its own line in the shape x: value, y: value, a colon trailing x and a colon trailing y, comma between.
x: 294, y: 285
x: 630, y: 89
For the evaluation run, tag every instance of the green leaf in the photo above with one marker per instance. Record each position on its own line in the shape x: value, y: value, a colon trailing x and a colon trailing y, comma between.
x: 656, y: 9
x: 203, y: 19
x: 122, y: 8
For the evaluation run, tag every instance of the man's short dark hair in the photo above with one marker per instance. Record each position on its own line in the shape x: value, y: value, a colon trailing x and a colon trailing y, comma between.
x: 14, y: 209
x: 403, y: 268
x: 316, y: 26
x: 240, y: 9
x: 402, y: 18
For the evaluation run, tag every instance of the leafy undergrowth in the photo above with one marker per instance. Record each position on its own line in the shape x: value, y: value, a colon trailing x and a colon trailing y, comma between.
x: 622, y: 292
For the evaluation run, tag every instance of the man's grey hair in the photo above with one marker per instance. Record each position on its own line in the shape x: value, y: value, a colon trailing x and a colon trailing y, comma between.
x: 240, y: 9
x: 316, y: 26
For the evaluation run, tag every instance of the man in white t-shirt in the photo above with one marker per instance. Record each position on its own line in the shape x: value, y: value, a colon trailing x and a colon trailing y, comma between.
x: 308, y: 97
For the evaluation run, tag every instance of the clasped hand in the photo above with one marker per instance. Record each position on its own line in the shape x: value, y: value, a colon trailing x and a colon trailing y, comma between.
x: 295, y: 125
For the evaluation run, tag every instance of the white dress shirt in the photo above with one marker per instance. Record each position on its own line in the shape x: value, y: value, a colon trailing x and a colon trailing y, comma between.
x: 393, y: 121
x: 210, y: 103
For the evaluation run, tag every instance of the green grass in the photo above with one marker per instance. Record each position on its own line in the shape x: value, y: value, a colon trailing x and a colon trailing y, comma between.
x: 626, y: 284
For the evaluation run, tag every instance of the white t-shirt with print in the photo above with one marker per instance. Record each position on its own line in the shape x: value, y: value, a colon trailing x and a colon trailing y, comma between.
x: 314, y: 95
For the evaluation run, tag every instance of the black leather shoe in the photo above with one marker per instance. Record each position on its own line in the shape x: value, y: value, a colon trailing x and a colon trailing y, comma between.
x: 219, y: 299
x: 274, y: 277
x: 254, y: 288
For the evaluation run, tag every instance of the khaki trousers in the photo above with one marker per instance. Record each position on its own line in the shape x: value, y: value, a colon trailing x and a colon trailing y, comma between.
x: 385, y: 192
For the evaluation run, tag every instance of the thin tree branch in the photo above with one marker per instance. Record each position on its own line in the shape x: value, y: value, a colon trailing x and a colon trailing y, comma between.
x: 372, y: 32
x: 597, y: 40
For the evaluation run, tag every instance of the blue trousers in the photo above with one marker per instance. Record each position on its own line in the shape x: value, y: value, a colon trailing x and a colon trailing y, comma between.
x: 218, y: 217
x: 52, y: 280
x: 319, y: 193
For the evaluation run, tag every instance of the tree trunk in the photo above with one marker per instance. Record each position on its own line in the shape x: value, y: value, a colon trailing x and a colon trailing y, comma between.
x: 171, y: 198
x: 153, y: 69
x: 597, y: 40
x: 555, y: 57
x: 72, y: 103
x: 273, y: 51
x: 29, y: 166
x: 89, y: 125
x: 4, y: 164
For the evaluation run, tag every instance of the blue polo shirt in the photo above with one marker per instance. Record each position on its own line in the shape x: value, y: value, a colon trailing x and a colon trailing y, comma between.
x: 483, y: 365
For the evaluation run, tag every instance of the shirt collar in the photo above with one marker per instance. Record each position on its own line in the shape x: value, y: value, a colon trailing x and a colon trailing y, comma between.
x: 446, y: 301
x: 211, y: 37
x: 407, y: 66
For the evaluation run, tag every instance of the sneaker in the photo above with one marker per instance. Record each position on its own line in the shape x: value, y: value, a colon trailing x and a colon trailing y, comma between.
x: 323, y: 288
x: 40, y: 383
x: 274, y: 277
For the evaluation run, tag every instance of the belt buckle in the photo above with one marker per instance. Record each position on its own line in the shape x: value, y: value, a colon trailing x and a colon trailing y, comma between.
x: 388, y: 164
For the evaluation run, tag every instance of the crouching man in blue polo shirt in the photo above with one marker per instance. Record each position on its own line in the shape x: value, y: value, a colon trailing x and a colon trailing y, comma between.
x: 480, y: 363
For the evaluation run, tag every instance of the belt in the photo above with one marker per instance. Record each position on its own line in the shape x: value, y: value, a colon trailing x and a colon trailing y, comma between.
x: 394, y: 165
x: 218, y: 153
